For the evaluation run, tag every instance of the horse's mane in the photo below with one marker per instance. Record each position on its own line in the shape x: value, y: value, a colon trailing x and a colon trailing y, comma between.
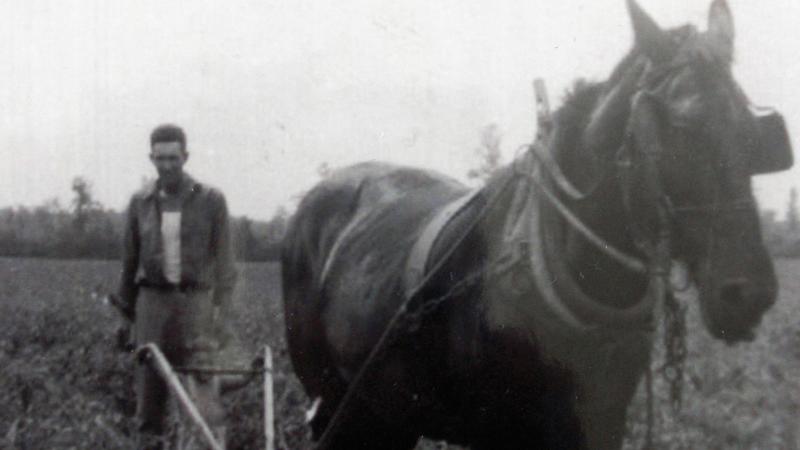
x: 571, y: 118
x: 569, y: 123
x: 582, y: 97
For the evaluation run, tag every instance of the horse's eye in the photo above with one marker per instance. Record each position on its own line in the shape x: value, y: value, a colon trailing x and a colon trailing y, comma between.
x: 686, y: 111
x: 684, y: 100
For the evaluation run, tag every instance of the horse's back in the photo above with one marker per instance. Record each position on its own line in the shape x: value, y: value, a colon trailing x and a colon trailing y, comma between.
x: 362, y: 199
x: 343, y: 257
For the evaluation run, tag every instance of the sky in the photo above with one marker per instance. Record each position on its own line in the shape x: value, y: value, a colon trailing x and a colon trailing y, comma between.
x: 268, y: 90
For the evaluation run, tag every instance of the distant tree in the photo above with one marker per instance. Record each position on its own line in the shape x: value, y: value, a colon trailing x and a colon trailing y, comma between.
x: 83, y: 204
x: 791, y: 211
x: 278, y: 224
x: 245, y: 240
x: 488, y: 152
x: 324, y: 170
x: 53, y: 206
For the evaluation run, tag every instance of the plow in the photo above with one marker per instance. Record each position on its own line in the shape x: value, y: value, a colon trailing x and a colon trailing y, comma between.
x: 193, y: 424
x: 189, y: 409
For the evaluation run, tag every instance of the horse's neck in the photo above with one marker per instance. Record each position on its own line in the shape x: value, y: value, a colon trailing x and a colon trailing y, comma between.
x: 587, y: 154
x: 597, y: 273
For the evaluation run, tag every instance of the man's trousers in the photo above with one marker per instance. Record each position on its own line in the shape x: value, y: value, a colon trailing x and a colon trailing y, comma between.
x: 181, y: 324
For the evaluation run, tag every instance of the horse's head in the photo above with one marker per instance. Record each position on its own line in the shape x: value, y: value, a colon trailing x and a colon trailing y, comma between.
x: 695, y: 144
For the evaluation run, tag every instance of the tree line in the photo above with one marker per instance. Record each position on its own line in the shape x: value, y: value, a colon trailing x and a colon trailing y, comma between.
x: 87, y: 229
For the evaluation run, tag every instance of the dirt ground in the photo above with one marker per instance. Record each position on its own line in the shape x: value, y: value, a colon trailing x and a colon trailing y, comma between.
x: 63, y: 386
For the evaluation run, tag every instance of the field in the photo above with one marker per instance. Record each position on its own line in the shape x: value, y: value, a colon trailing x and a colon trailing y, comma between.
x: 64, y: 386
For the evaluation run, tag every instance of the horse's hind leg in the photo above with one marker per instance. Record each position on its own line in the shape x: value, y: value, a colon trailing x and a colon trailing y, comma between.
x: 319, y: 220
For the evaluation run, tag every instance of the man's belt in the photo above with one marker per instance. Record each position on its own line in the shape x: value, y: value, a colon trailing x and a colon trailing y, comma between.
x: 183, y: 286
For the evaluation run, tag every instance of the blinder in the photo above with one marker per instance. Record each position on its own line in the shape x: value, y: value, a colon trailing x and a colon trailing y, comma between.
x: 770, y: 148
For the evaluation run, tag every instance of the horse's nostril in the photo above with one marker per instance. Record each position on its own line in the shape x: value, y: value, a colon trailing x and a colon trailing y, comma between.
x: 746, y: 294
x: 733, y: 293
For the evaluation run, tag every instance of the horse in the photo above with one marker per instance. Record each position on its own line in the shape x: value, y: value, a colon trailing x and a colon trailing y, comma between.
x: 521, y: 315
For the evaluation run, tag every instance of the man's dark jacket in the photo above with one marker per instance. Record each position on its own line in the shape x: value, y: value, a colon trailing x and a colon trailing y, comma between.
x: 207, y: 259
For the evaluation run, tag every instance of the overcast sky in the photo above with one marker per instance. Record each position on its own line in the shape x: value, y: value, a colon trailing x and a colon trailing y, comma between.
x: 267, y: 90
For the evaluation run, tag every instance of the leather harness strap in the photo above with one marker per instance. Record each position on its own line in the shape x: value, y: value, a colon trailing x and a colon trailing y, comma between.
x: 417, y: 262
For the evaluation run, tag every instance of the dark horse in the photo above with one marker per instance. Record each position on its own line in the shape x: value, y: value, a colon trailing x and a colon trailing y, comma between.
x: 530, y: 318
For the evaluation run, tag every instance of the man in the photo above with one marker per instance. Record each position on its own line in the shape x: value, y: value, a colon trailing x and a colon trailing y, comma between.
x: 177, y: 276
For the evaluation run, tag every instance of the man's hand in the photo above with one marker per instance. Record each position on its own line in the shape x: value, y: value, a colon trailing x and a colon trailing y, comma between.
x: 125, y: 309
x: 124, y: 340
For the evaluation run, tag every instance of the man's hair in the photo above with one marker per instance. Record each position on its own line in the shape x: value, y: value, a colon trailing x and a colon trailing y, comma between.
x: 168, y: 133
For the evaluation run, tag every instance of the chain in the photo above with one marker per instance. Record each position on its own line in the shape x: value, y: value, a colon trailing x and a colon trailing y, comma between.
x: 675, y: 350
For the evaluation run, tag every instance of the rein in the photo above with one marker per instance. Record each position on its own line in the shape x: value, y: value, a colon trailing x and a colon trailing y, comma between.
x: 401, y: 320
x: 641, y: 151
x: 631, y: 262
x: 656, y: 267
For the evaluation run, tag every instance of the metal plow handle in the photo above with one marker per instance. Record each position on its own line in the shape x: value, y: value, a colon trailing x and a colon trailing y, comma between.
x: 168, y: 374
x: 269, y: 422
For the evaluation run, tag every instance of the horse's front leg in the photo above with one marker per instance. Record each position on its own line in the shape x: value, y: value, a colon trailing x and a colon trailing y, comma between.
x: 607, y: 388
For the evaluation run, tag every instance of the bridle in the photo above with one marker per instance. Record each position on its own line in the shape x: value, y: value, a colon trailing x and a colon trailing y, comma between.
x: 638, y: 157
x: 637, y: 169
x: 648, y: 210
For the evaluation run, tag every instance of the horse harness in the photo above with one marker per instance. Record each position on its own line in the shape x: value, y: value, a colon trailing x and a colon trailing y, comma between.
x: 638, y: 152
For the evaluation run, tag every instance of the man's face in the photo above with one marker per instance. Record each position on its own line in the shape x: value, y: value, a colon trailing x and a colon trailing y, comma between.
x: 168, y: 158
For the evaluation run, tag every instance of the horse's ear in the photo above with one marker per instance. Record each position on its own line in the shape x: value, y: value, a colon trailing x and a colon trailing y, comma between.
x: 720, y: 28
x: 649, y: 37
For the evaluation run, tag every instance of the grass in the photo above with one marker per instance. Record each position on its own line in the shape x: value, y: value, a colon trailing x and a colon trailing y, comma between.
x: 64, y: 386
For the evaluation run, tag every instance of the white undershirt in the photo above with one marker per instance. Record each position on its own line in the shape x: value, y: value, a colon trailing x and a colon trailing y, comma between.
x: 171, y: 237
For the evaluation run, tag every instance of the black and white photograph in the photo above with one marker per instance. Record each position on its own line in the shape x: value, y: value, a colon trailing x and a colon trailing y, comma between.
x: 399, y: 225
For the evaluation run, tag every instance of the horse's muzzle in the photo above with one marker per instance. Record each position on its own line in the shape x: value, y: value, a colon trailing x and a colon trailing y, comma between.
x: 738, y: 309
